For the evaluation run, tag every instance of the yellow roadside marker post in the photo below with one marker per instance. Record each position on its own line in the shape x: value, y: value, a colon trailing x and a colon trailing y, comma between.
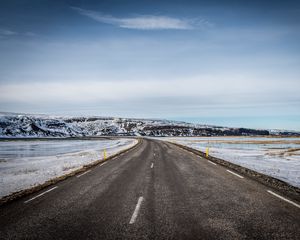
x: 207, y: 151
x: 104, y: 154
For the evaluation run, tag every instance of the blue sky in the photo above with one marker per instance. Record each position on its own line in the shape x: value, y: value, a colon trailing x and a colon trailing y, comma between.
x: 233, y: 63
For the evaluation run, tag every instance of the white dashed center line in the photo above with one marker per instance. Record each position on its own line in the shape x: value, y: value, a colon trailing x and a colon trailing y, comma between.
x: 235, y: 174
x: 284, y: 199
x: 51, y: 189
x: 136, y: 210
x: 83, y: 173
x: 151, y: 165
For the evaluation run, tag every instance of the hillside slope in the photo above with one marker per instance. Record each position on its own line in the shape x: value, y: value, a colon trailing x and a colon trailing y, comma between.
x: 20, y: 125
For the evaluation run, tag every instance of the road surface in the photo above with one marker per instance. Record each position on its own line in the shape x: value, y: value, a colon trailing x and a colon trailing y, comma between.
x: 155, y: 191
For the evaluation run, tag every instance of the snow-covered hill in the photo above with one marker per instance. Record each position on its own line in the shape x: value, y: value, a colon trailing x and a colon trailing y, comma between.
x: 20, y: 125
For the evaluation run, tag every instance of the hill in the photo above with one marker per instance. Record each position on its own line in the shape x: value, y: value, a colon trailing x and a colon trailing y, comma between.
x: 21, y: 125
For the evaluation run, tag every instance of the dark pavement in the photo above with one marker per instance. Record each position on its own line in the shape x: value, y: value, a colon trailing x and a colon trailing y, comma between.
x: 182, y: 196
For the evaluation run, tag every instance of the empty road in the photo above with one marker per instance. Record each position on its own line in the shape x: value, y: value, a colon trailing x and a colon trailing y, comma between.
x: 154, y: 191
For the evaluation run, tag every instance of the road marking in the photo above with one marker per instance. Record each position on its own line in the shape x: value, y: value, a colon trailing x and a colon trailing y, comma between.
x: 83, y: 173
x: 211, y: 162
x: 235, y: 174
x: 136, y: 210
x: 289, y: 201
x: 102, y: 164
x: 51, y: 189
x: 152, y: 165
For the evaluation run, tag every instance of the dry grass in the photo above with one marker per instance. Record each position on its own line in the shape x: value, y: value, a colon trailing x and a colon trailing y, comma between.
x: 285, y: 152
x: 66, y: 168
x: 250, y: 141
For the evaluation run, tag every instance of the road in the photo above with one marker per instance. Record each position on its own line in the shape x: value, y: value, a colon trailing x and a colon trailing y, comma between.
x: 154, y: 191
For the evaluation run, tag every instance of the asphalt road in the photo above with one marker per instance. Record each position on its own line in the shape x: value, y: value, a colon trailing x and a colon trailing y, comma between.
x: 155, y: 191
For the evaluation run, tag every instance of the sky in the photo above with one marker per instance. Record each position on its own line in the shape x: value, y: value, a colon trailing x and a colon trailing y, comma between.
x: 228, y: 63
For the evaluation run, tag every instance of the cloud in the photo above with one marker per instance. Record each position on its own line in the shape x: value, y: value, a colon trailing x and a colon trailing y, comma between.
x: 143, y: 22
x: 209, y: 88
x: 7, y: 32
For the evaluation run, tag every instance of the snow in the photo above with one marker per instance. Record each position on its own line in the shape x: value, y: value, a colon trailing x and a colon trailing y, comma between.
x: 32, y: 126
x: 20, y: 125
x: 276, y: 157
x: 27, y: 163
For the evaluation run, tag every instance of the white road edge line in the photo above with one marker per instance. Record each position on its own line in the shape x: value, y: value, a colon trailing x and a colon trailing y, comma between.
x: 102, y: 164
x: 51, y: 189
x: 235, y: 174
x: 211, y: 162
x: 151, y: 165
x: 83, y: 173
x: 136, y: 210
x: 284, y: 199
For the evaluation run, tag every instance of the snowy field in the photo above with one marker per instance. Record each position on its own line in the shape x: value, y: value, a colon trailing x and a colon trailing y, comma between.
x: 27, y: 163
x: 276, y: 157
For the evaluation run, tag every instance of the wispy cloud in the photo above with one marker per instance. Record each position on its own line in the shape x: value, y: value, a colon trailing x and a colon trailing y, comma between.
x: 143, y: 22
x: 7, y: 32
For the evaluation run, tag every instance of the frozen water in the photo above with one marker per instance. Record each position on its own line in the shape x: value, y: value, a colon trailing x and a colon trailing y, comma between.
x: 27, y: 163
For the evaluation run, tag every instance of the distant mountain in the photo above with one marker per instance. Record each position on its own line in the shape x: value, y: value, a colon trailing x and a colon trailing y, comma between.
x: 21, y: 125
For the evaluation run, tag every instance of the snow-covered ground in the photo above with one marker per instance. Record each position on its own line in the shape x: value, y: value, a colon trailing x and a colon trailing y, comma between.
x: 26, y: 163
x: 276, y: 157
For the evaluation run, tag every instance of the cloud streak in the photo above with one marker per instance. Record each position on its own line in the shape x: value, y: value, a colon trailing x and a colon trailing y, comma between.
x: 142, y: 22
x: 6, y: 33
x: 214, y: 89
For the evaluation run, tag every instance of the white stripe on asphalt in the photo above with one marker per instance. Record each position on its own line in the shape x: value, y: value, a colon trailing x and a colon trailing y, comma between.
x: 211, y: 162
x: 40, y: 195
x: 136, y: 210
x: 289, y: 201
x: 235, y: 174
x: 152, y: 165
x: 83, y: 173
x: 102, y: 164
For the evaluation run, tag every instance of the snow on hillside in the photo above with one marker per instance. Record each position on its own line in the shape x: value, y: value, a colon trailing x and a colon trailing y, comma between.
x: 27, y: 163
x: 276, y: 157
x: 20, y: 125
x: 33, y: 126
